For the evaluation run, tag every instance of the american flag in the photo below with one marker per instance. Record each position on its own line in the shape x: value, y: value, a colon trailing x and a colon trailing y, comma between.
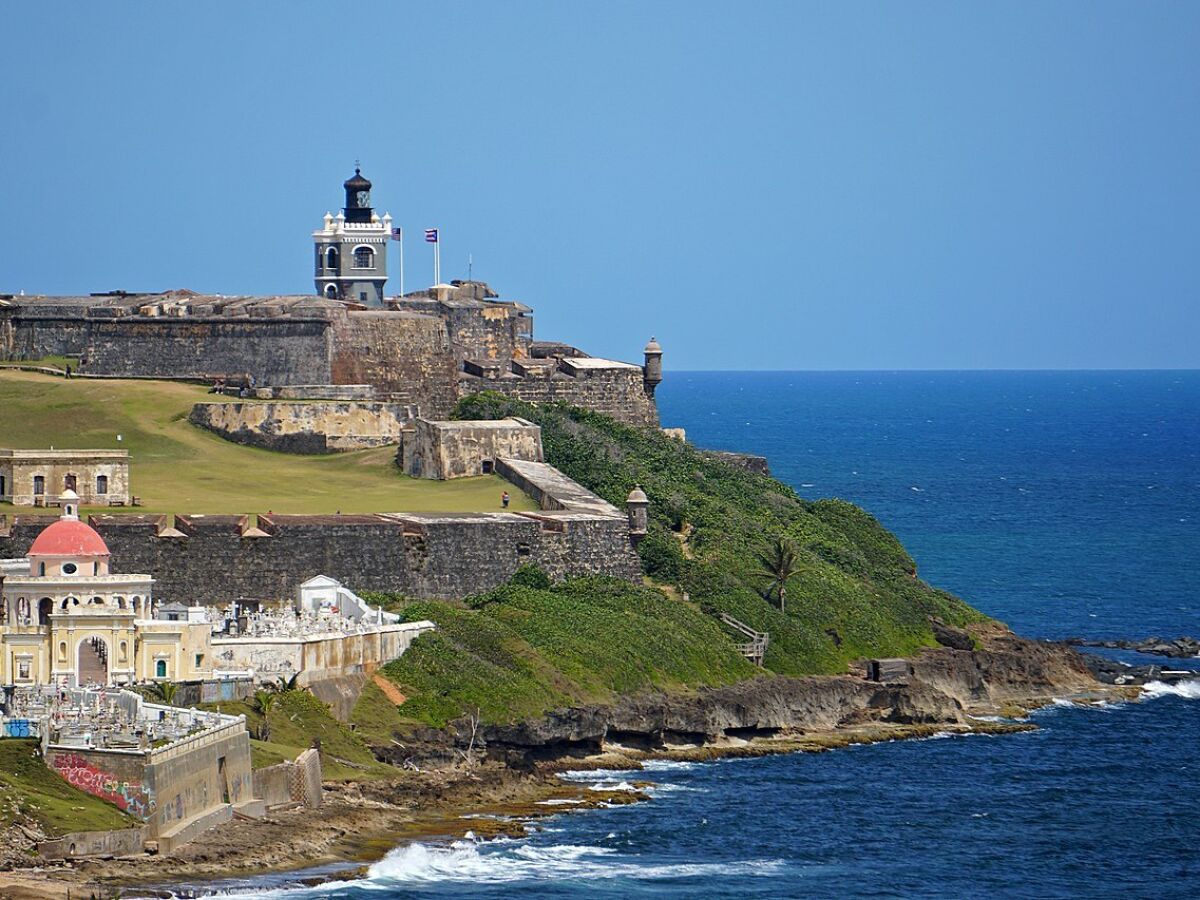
x: 431, y: 235
x: 397, y: 234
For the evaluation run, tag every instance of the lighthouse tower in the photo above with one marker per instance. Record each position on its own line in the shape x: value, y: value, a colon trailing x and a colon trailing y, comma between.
x: 351, y: 248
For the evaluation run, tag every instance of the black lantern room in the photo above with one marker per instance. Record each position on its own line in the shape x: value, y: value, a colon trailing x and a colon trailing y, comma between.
x: 358, y: 198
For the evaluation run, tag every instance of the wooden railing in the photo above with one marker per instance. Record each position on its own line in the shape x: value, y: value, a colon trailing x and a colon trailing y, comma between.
x: 754, y: 649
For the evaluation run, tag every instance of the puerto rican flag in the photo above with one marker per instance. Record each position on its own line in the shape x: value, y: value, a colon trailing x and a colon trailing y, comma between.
x: 431, y: 235
x: 397, y: 234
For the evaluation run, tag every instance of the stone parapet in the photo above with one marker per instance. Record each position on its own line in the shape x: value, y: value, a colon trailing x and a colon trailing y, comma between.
x: 298, y: 426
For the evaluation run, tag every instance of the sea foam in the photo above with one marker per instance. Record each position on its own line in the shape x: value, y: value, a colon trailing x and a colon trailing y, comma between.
x: 1189, y: 690
x: 468, y: 862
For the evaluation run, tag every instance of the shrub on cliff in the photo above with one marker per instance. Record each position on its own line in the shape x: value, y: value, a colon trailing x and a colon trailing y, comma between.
x: 853, y: 593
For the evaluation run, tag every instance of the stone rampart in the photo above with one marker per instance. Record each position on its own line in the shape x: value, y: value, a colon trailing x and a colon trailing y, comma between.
x: 297, y: 426
x: 426, y: 351
x: 619, y: 393
x: 460, y: 449
x: 282, y: 350
x: 213, y: 559
x: 406, y: 356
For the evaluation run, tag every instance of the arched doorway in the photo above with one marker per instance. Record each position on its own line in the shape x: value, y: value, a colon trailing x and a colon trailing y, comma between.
x: 45, y: 605
x: 92, y: 667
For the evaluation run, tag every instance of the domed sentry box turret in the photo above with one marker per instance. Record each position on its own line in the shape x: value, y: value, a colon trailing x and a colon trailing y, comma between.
x: 653, y: 373
x: 636, y: 506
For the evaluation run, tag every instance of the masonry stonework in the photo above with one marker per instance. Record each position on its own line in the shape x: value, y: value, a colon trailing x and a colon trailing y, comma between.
x: 427, y: 349
x: 305, y: 427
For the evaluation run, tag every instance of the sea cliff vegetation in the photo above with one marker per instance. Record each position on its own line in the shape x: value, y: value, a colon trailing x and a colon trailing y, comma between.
x: 529, y: 646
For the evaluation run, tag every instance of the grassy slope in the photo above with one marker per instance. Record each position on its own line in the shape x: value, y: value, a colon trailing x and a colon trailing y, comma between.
x: 43, y: 796
x: 523, y: 649
x: 528, y: 649
x: 296, y: 719
x: 177, y: 467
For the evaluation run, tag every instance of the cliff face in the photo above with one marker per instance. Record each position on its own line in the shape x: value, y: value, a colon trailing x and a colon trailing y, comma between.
x: 946, y: 686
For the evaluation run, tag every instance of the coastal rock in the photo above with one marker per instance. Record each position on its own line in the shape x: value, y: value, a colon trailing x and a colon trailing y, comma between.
x: 946, y: 683
x: 1177, y: 648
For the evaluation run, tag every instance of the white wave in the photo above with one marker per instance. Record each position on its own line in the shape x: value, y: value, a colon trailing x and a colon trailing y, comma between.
x: 668, y: 765
x: 597, y: 774
x: 481, y: 863
x: 558, y: 801
x: 609, y: 785
x: 1189, y: 690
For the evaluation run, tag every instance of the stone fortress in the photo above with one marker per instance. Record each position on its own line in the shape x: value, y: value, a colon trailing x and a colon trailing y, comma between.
x: 414, y: 354
x: 345, y: 368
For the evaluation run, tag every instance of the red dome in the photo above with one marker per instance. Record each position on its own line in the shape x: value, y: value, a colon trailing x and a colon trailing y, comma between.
x: 69, y: 537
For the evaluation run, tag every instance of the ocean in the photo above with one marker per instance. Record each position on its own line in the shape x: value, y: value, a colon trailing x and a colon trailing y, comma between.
x: 1062, y: 503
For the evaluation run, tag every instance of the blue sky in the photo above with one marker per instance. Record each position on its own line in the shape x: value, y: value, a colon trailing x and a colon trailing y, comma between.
x: 761, y: 185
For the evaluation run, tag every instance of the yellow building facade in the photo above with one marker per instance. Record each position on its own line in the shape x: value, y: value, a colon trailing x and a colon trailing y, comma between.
x: 65, y: 619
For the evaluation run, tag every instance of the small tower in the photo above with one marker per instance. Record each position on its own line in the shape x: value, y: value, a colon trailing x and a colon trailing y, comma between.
x: 653, y: 371
x: 70, y: 505
x: 351, y: 248
x: 636, y: 505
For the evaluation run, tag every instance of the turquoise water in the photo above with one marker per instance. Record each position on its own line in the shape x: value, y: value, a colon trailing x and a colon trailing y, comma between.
x: 1063, y: 503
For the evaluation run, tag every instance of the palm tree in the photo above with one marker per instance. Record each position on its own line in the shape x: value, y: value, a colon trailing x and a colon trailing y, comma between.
x: 777, y: 564
x: 166, y: 691
x: 264, y: 702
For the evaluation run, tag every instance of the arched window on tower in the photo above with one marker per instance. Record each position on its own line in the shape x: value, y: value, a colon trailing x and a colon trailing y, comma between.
x: 331, y: 258
x: 331, y: 291
x: 364, y: 258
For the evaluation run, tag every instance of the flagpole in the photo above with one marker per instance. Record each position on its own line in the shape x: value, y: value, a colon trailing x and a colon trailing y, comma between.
x: 401, y: 262
x: 437, y: 258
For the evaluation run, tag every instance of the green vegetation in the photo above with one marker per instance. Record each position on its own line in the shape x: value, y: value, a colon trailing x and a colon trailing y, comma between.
x: 293, y: 720
x: 522, y: 650
x: 178, y: 467
x: 47, y: 362
x: 854, y: 591
x: 31, y: 791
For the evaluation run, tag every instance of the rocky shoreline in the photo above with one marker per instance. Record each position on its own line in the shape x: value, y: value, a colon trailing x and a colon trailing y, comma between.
x: 945, y: 691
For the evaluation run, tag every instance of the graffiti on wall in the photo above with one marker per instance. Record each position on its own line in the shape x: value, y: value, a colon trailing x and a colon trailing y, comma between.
x: 131, y: 796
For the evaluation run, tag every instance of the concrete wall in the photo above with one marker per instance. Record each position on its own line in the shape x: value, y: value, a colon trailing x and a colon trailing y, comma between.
x: 319, y: 656
x: 80, y: 844
x: 445, y: 450
x: 198, y: 775
x: 298, y: 781
x: 117, y: 776
x: 178, y: 790
x: 305, y: 426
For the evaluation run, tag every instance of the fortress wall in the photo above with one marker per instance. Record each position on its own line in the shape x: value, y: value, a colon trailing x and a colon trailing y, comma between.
x: 304, y: 427
x: 32, y: 337
x: 494, y: 332
x: 278, y: 350
x: 619, y: 393
x: 447, y: 556
x: 402, y: 354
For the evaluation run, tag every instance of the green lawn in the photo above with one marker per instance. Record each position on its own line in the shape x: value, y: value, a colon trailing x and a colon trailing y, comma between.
x: 30, y: 790
x: 180, y: 468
